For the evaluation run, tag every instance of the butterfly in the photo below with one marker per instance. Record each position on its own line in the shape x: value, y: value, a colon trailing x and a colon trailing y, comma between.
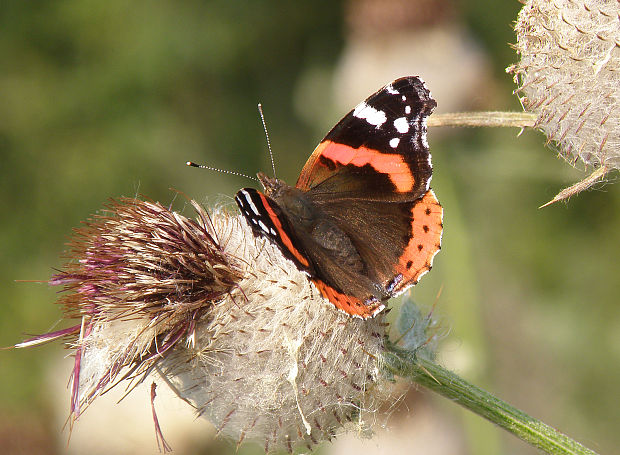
x: 362, y: 221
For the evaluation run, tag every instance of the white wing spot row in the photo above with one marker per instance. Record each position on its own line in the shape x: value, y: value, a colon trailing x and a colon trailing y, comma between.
x: 370, y: 114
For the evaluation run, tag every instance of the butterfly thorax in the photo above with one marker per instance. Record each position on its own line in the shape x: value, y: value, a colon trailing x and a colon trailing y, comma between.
x: 312, y: 224
x: 291, y: 199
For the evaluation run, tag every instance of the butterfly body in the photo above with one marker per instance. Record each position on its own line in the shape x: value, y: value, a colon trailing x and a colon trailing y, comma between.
x: 361, y: 220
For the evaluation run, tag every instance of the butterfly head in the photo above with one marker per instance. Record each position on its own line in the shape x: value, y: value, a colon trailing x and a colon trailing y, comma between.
x: 271, y: 185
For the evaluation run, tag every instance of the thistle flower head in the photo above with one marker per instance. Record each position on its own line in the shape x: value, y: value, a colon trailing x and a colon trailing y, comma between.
x: 235, y: 328
x: 140, y: 279
x: 568, y: 76
x: 277, y: 362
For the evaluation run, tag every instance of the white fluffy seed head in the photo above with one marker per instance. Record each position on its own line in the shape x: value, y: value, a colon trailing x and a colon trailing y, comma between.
x: 234, y: 327
x: 569, y: 76
x: 275, y: 362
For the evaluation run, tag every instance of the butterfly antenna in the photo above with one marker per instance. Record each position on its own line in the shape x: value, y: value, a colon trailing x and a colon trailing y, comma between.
x: 262, y: 119
x: 223, y: 171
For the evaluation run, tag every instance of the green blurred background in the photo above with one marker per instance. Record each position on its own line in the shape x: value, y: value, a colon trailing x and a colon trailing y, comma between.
x: 108, y: 99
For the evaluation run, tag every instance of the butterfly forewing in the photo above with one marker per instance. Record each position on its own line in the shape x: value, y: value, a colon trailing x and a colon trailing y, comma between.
x: 384, y: 137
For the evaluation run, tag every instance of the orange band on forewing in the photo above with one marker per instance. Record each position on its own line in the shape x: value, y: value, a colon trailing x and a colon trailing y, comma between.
x: 392, y: 164
x: 285, y: 238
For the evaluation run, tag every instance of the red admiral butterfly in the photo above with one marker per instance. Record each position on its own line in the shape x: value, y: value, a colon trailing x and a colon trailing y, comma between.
x: 361, y: 220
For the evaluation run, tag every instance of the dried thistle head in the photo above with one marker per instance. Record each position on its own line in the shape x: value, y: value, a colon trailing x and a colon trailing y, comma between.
x: 139, y: 279
x: 568, y: 76
x: 220, y: 316
x: 278, y: 363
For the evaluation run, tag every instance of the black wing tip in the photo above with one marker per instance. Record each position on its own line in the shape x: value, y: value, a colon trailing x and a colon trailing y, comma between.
x: 414, y: 84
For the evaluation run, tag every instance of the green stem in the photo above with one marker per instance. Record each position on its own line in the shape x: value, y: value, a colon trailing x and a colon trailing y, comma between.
x: 436, y: 378
x: 484, y: 119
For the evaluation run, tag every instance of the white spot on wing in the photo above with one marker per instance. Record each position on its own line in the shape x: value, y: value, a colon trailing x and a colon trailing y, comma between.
x: 248, y: 199
x: 407, y: 110
x: 401, y: 125
x: 370, y: 114
x: 390, y: 89
x: 394, y: 142
x: 263, y: 226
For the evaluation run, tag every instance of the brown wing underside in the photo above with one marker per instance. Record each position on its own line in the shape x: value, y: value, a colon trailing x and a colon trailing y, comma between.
x: 396, y: 242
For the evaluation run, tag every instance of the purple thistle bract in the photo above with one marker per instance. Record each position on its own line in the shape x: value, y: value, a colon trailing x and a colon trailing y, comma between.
x: 148, y: 269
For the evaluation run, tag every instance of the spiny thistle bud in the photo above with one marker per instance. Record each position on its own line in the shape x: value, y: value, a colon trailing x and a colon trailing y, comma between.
x: 569, y: 77
x: 235, y: 328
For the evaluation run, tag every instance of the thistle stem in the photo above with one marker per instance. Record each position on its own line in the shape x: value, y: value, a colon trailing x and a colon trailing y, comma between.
x: 488, y: 119
x: 436, y: 378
